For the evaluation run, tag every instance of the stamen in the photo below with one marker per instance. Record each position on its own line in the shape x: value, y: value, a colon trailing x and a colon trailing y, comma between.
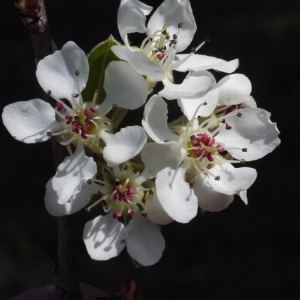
x: 95, y: 97
x: 58, y: 132
x: 69, y: 141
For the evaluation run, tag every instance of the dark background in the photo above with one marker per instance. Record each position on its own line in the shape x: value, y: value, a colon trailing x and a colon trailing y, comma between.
x: 243, y: 252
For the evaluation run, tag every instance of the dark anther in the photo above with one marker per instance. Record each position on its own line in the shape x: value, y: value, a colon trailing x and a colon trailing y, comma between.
x: 217, y: 178
x: 114, y: 105
x: 77, y: 73
x: 49, y: 92
x: 105, y: 123
x: 242, y: 161
x: 204, y: 103
x: 89, y: 181
x: 228, y: 127
x: 151, y: 192
x: 135, y: 171
x: 179, y: 25
x: 209, y: 166
x: 192, y: 137
x: 87, y: 209
x: 193, y: 49
x: 174, y: 36
x: 167, y: 37
x: 49, y: 133
x: 96, y: 91
x: 206, y: 40
x: 125, y: 168
x: 198, y: 118
x: 75, y: 95
x: 190, y: 155
x: 150, y: 39
x: 239, y: 114
x: 223, y: 121
x: 244, y: 149
x: 164, y: 32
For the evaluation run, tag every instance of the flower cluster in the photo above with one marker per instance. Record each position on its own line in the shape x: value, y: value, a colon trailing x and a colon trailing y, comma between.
x: 145, y: 176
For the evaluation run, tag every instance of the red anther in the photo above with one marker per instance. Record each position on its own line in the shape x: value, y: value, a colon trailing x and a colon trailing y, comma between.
x: 200, y: 136
x: 220, y: 148
x: 76, y: 128
x: 228, y: 127
x: 209, y: 156
x: 211, y: 142
x: 160, y: 56
x: 76, y: 118
x: 206, y: 138
x: 59, y: 106
x: 87, y: 126
x: 116, y: 214
x: 103, y: 203
x: 69, y: 119
x: 131, y: 213
x: 86, y: 112
x: 94, y: 110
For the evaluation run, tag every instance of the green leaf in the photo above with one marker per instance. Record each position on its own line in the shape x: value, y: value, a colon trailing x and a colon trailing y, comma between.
x: 99, y: 59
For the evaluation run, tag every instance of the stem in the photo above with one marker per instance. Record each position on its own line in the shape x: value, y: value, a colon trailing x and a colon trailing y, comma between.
x: 66, y: 280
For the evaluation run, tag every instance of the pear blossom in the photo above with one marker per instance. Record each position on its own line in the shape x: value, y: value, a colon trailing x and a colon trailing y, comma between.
x: 121, y: 193
x: 210, y: 147
x: 126, y: 192
x: 63, y: 75
x: 169, y: 31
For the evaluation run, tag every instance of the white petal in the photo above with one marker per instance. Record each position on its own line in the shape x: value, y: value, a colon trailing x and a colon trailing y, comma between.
x: 124, y: 86
x: 174, y: 12
x: 190, y: 86
x: 123, y: 145
x: 159, y: 156
x: 155, y: 211
x: 199, y: 62
x: 145, y: 243
x: 104, y: 237
x: 250, y: 103
x: 56, y: 72
x: 155, y: 120
x: 208, y: 199
x: 29, y: 121
x: 189, y: 106
x: 73, y: 205
x: 234, y: 89
x: 131, y: 17
x: 72, y: 173
x: 175, y: 195
x: 232, y: 180
x: 253, y: 131
x: 140, y: 63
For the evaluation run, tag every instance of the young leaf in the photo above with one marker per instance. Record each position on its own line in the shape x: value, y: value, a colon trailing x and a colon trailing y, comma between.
x: 98, y: 59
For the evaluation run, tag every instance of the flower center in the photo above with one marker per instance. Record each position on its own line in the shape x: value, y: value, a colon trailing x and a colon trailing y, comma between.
x: 160, y: 48
x: 202, y: 146
x: 121, y: 192
x: 83, y: 121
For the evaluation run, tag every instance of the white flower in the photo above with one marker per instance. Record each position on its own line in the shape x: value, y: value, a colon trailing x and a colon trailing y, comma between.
x: 128, y: 193
x: 246, y: 134
x: 63, y: 75
x: 169, y: 31
x: 122, y: 194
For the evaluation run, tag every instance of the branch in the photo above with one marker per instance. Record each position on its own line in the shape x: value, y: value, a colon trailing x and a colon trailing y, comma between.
x: 34, y: 18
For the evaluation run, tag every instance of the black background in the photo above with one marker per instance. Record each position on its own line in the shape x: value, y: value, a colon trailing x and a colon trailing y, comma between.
x: 243, y: 252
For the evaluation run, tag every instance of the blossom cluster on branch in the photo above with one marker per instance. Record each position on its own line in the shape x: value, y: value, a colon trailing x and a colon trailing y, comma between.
x: 145, y: 176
